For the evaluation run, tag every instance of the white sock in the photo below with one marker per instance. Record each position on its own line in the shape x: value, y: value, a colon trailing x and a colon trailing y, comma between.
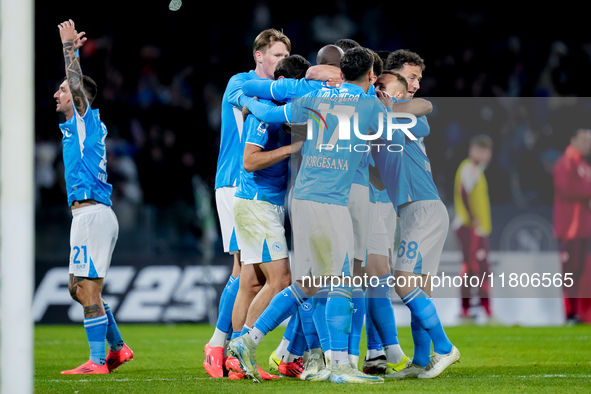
x: 394, y: 353
x: 354, y: 361
x: 291, y: 358
x: 256, y: 335
x: 281, y: 350
x: 339, y: 358
x: 218, y: 338
x: 374, y: 353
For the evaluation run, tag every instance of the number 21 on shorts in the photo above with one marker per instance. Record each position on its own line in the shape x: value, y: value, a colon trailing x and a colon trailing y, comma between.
x: 80, y: 253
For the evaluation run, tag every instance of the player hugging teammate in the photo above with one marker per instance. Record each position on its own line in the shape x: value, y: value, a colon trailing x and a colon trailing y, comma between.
x: 276, y: 120
x: 329, y: 210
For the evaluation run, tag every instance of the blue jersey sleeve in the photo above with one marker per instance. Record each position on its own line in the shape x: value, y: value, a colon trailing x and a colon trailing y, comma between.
x: 283, y: 89
x: 287, y: 88
x: 421, y: 129
x: 234, y: 92
x: 269, y: 113
x: 256, y: 133
x: 260, y: 88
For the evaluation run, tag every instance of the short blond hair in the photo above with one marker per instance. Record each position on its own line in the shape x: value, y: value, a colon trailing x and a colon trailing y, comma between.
x: 268, y: 37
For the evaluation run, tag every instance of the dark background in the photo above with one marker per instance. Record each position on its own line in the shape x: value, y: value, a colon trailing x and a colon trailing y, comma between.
x: 161, y: 75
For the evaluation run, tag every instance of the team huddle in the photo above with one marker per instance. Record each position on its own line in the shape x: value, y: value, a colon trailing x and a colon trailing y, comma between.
x: 338, y: 149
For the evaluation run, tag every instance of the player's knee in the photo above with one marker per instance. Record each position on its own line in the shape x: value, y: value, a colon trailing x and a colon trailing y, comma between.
x: 251, y: 286
x: 73, y: 289
x: 73, y: 286
x: 402, y: 291
x: 281, y: 281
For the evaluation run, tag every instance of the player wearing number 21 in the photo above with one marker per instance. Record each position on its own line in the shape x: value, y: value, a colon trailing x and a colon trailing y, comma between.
x: 94, y: 228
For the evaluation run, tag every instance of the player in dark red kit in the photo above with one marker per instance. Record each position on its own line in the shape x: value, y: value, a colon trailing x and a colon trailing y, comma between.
x: 572, y: 213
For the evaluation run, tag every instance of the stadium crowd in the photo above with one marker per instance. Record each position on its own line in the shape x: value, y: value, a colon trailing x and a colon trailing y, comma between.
x: 161, y: 103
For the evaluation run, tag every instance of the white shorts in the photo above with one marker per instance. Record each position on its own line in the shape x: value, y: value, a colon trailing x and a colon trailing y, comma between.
x: 359, y: 209
x: 93, y: 236
x: 323, y: 239
x: 382, y: 230
x: 224, y: 199
x: 260, y: 231
x: 423, y: 230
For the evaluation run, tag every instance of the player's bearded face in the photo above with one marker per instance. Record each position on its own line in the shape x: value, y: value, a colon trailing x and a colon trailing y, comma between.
x: 63, y: 98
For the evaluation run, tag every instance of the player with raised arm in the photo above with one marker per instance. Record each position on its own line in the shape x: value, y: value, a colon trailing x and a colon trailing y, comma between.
x: 95, y: 229
x: 269, y: 47
x: 322, y: 227
x: 424, y: 224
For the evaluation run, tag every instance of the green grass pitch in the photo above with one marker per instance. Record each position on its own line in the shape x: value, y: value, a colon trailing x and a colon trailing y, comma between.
x: 168, y: 359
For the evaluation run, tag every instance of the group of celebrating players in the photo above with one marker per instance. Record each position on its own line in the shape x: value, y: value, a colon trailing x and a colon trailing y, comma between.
x: 304, y: 141
x: 286, y: 141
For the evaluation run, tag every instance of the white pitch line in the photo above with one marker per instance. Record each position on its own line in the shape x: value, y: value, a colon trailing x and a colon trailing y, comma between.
x: 118, y: 380
x: 539, y: 376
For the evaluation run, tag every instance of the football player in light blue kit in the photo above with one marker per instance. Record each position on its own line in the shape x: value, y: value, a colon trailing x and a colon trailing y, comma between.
x: 95, y: 229
x: 313, y: 319
x: 384, y: 353
x: 269, y: 47
x: 322, y: 227
x: 284, y: 90
x: 424, y: 223
x: 259, y: 209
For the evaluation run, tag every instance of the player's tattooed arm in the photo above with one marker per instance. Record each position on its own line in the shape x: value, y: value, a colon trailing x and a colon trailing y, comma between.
x: 71, y: 41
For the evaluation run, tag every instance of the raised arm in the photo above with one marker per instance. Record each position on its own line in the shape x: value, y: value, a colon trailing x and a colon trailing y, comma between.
x: 71, y: 41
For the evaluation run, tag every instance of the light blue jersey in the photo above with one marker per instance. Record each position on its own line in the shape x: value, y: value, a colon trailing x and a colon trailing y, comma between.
x: 282, y: 90
x: 390, y: 165
x: 376, y: 195
x: 85, y: 158
x: 362, y: 174
x: 231, y: 142
x: 417, y: 179
x: 268, y: 184
x: 329, y: 161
